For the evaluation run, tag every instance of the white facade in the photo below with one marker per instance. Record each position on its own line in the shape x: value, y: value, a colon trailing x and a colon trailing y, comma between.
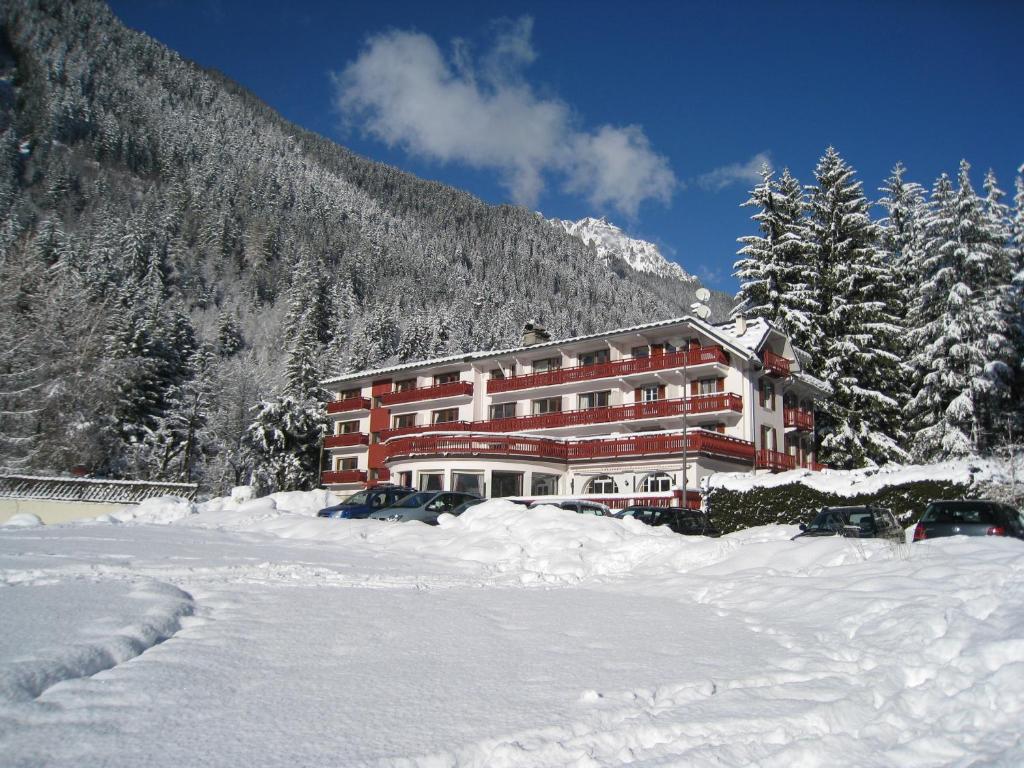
x: 610, y: 415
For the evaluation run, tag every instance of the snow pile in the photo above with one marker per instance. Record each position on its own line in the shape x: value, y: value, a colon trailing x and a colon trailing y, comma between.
x: 160, y: 510
x: 22, y: 520
x: 853, y: 482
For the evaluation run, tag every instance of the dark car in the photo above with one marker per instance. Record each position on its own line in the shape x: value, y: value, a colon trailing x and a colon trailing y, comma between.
x: 579, y: 506
x: 863, y: 522
x: 688, y: 522
x: 359, y: 505
x: 425, y: 506
x: 969, y: 518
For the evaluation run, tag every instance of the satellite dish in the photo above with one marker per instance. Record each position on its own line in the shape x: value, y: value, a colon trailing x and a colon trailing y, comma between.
x: 703, y: 312
x: 703, y: 294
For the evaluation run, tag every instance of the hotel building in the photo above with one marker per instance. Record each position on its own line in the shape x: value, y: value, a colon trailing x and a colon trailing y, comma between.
x: 613, y: 416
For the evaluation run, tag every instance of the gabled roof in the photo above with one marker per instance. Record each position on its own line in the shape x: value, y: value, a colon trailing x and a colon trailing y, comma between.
x: 745, y: 346
x: 87, y: 489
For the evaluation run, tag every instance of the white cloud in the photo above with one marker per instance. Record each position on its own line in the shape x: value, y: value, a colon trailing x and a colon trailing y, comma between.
x: 736, y: 173
x: 403, y: 91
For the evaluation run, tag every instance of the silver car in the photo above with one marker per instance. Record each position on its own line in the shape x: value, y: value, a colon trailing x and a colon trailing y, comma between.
x: 425, y: 506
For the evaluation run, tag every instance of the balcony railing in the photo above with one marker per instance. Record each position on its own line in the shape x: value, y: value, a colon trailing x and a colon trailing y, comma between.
x: 578, y: 450
x: 346, y: 440
x: 626, y: 367
x: 349, y: 404
x: 799, y: 418
x: 343, y: 476
x: 775, y: 365
x: 652, y: 409
x: 436, y: 392
x: 775, y: 461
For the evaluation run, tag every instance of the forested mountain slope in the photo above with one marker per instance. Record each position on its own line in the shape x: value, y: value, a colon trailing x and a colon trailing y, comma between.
x: 167, y: 239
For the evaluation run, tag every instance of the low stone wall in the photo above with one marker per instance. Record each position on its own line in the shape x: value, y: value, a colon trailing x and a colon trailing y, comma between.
x: 57, y: 511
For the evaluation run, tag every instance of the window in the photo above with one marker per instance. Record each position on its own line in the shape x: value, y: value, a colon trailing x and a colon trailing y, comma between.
x: 656, y: 482
x: 602, y: 484
x: 404, y: 480
x: 593, y: 400
x: 346, y: 463
x: 506, y: 484
x: 405, y: 385
x: 707, y: 386
x: 468, y: 482
x: 547, y: 364
x: 593, y: 358
x: 769, y: 441
x: 444, y: 416
x: 446, y: 378
x: 498, y: 373
x: 431, y: 481
x: 503, y: 410
x: 350, y: 394
x: 640, y: 351
x: 405, y: 420
x: 348, y: 427
x: 547, y: 405
x: 651, y: 392
x: 767, y: 394
x: 543, y: 485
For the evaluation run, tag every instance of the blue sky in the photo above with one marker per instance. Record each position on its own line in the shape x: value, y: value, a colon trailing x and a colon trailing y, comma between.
x: 652, y: 113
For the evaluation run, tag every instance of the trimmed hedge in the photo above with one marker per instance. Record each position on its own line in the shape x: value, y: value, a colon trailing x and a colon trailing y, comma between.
x: 797, y: 503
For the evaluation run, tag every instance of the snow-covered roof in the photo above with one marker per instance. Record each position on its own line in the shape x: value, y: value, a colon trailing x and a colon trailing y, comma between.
x: 87, y: 489
x: 745, y: 345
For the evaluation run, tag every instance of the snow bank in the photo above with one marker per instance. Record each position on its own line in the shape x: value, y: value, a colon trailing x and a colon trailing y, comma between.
x: 160, y: 510
x: 22, y: 520
x: 864, y: 481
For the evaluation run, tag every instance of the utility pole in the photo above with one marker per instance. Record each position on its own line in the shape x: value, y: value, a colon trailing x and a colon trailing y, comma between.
x: 686, y: 408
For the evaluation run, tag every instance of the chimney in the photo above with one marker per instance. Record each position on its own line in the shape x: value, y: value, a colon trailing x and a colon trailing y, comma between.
x: 534, y: 334
x: 741, y: 325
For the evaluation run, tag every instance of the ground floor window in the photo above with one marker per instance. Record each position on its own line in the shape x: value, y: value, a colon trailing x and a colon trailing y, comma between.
x: 602, y: 484
x: 506, y: 484
x: 656, y: 482
x: 468, y: 482
x: 543, y: 485
x: 431, y: 481
x: 405, y: 479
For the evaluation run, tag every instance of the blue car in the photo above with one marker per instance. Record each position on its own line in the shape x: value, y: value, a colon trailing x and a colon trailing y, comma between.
x: 360, y: 505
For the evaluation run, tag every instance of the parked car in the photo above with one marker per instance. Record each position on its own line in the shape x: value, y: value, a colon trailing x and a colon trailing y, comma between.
x: 425, y: 506
x: 688, y: 522
x: 969, y: 518
x: 580, y: 506
x: 863, y: 522
x: 360, y: 504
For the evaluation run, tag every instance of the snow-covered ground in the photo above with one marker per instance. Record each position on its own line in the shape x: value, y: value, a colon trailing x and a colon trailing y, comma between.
x: 252, y: 633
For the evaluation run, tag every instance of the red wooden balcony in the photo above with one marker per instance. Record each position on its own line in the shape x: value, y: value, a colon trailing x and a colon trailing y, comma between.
x: 346, y: 440
x: 652, y: 409
x: 775, y: 461
x: 775, y: 365
x: 343, y: 476
x: 799, y: 418
x: 708, y: 443
x: 451, y: 389
x: 631, y: 365
x: 349, y: 404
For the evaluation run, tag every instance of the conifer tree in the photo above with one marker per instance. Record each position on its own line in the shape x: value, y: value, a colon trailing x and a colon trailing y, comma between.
x: 859, y: 423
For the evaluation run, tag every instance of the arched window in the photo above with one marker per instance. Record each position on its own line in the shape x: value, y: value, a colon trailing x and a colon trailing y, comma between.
x: 656, y: 482
x: 602, y: 484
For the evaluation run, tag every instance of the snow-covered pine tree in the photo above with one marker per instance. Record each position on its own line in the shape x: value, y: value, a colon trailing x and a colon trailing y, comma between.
x: 229, y: 335
x: 902, y: 232
x: 965, y: 349
x: 775, y: 273
x: 285, y: 438
x: 860, y: 423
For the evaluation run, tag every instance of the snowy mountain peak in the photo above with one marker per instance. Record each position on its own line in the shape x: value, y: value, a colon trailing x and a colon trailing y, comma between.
x: 610, y: 240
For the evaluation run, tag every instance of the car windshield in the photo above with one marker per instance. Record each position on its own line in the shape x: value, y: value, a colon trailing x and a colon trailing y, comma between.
x: 959, y: 513
x: 414, y: 500
x: 828, y: 520
x: 356, y: 498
